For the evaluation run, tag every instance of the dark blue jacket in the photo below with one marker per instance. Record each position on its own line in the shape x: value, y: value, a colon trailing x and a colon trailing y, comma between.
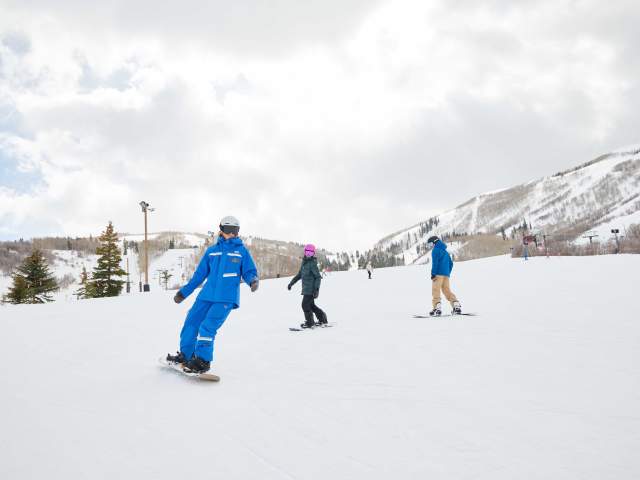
x: 223, y: 265
x: 441, y: 263
x: 310, y: 276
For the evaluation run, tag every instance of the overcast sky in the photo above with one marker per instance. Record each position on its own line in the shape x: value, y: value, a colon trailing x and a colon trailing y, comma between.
x: 332, y: 122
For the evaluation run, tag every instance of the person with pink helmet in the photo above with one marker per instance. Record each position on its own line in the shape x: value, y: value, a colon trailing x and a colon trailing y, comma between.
x: 311, y: 278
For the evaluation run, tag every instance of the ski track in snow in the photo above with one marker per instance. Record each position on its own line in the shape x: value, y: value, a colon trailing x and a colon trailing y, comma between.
x: 542, y: 384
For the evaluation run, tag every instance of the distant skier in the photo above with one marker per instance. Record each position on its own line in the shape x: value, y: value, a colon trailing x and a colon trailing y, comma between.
x: 369, y: 269
x: 441, y: 266
x: 310, y: 276
x: 222, y: 265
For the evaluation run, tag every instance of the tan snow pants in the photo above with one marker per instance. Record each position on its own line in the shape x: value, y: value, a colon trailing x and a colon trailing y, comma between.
x: 441, y: 283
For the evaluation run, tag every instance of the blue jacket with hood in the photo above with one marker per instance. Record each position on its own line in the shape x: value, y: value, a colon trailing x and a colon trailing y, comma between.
x: 441, y: 263
x: 222, y: 265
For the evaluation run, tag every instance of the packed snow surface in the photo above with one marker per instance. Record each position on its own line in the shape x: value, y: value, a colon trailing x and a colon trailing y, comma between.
x: 544, y: 384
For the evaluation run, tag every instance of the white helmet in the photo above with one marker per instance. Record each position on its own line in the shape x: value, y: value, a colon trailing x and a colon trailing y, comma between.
x: 230, y: 224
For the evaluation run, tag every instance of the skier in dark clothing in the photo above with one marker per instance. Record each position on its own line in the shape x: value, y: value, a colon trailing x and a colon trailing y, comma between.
x: 310, y: 276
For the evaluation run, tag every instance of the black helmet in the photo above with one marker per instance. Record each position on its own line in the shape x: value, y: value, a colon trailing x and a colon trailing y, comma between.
x: 433, y: 240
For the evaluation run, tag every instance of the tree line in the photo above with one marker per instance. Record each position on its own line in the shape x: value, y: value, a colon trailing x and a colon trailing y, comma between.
x: 33, y: 281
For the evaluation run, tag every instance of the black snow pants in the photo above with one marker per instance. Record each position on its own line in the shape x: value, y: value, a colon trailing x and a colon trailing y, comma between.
x: 309, y: 307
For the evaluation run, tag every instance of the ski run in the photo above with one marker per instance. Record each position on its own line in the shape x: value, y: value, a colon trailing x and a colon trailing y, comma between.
x: 543, y: 384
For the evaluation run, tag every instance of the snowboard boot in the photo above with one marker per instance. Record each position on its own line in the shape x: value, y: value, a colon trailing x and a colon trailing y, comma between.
x: 437, y: 311
x: 178, y: 358
x: 322, y: 319
x: 308, y: 316
x: 457, y: 308
x: 197, y: 365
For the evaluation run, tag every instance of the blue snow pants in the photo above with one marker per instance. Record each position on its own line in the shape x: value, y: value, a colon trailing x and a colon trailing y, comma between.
x: 200, y: 328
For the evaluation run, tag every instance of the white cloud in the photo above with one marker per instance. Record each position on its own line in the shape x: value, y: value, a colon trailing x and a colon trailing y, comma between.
x: 336, y: 131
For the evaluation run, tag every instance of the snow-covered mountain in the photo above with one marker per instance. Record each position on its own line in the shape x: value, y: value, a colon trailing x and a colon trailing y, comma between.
x: 601, y: 194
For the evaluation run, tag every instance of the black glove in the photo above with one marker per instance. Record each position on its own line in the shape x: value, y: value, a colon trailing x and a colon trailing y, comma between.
x: 178, y: 297
x: 289, y: 287
x: 316, y: 294
x: 254, y: 285
x: 432, y: 277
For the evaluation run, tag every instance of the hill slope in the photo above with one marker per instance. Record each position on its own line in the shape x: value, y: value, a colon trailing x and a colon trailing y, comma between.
x: 603, y: 192
x: 273, y: 258
x: 544, y: 384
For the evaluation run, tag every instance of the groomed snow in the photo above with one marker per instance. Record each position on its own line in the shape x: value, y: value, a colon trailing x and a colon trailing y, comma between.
x: 545, y: 384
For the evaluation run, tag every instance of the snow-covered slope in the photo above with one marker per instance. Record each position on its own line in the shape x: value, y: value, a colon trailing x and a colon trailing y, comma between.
x: 273, y: 257
x: 68, y: 264
x: 178, y: 262
x: 544, y: 384
x: 66, y: 267
x: 180, y: 238
x: 604, y: 193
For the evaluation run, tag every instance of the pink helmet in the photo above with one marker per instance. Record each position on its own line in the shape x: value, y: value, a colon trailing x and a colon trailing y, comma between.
x: 309, y: 250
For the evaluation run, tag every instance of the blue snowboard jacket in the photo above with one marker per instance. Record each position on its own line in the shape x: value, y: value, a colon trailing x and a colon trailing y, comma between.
x: 441, y: 263
x: 222, y: 265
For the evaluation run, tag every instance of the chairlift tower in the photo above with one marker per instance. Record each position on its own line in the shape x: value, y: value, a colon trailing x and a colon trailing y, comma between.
x: 590, y: 235
x: 616, y: 231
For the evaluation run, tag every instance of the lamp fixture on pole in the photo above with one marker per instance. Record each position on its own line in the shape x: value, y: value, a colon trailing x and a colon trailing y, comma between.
x: 145, y: 209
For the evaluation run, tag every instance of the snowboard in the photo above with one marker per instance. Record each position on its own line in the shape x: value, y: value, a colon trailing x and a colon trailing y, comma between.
x: 178, y: 368
x: 300, y: 329
x: 447, y: 315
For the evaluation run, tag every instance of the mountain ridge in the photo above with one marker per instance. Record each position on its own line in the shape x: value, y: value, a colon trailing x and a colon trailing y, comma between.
x: 567, y: 203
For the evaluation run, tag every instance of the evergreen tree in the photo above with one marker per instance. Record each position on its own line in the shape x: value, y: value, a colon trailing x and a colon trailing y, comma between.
x: 105, y: 281
x: 18, y: 292
x: 86, y: 288
x: 165, y: 276
x: 32, y: 281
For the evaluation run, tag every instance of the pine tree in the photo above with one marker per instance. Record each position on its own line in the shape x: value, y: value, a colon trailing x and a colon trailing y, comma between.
x: 18, y: 292
x: 165, y: 276
x: 32, y: 281
x: 105, y: 280
x: 86, y: 288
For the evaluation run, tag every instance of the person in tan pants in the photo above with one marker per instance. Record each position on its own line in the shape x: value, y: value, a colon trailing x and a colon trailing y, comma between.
x: 438, y: 284
x: 441, y: 266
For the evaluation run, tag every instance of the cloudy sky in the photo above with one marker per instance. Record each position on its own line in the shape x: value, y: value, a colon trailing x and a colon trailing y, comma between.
x: 335, y: 122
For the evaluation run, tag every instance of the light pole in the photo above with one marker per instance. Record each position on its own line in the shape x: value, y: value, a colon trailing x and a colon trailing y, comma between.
x: 145, y: 209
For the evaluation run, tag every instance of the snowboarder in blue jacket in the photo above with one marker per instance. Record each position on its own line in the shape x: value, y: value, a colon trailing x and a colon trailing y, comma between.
x: 222, y: 266
x: 441, y: 266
